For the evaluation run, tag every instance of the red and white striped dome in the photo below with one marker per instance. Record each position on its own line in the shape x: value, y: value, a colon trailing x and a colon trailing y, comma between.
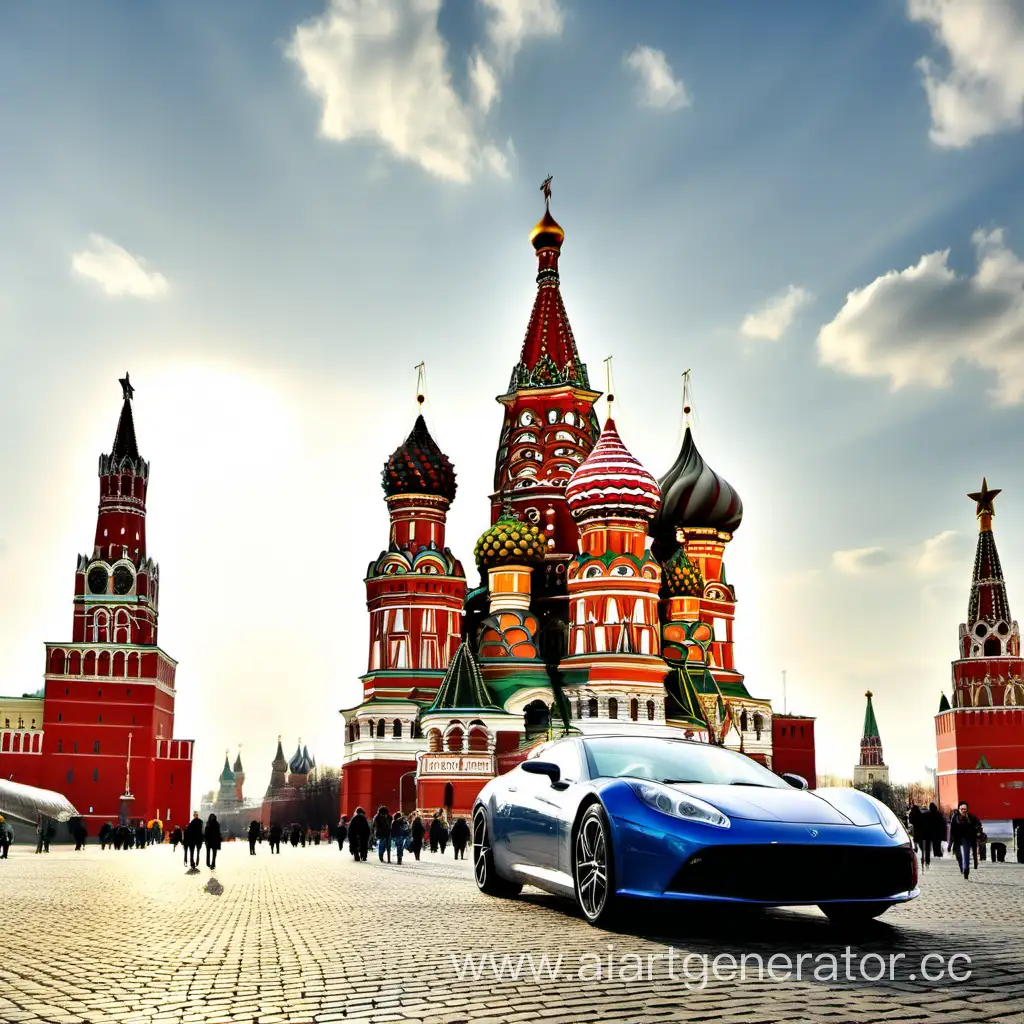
x: 610, y: 483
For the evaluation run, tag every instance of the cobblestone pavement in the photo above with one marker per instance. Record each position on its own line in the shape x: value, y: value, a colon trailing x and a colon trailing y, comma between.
x: 312, y: 936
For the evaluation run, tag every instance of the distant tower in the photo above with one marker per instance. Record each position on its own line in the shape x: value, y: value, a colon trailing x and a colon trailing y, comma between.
x: 227, y: 798
x: 273, y: 811
x: 980, y: 733
x: 239, y: 773
x: 872, y: 767
x: 549, y: 425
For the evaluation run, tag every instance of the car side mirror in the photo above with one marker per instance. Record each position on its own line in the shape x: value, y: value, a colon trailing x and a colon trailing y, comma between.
x: 796, y: 781
x: 551, y: 770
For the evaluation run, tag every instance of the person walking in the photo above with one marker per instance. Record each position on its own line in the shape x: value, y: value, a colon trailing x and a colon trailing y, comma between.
x: 917, y: 821
x: 274, y: 837
x: 105, y: 834
x: 177, y: 836
x: 193, y: 841
x: 418, y: 830
x: 963, y: 835
x: 341, y: 832
x: 6, y: 837
x: 399, y: 834
x: 211, y: 837
x: 359, y: 835
x: 254, y: 836
x: 382, y: 833
x: 460, y: 837
x: 935, y: 829
x: 436, y: 828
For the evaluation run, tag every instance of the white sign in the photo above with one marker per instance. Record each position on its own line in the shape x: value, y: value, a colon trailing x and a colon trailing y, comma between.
x: 456, y: 764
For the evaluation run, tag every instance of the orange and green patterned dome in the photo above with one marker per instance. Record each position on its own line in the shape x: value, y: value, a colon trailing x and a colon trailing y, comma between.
x: 510, y: 541
x: 680, y: 577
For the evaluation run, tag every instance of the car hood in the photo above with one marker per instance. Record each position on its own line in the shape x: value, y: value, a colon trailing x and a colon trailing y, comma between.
x: 765, y: 804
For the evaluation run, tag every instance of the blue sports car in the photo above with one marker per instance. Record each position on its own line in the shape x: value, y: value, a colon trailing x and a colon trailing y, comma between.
x: 607, y: 818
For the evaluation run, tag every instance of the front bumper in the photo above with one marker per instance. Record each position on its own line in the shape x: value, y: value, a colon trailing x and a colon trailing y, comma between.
x: 761, y: 863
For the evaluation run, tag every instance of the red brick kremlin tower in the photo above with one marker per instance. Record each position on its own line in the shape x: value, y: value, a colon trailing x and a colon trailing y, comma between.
x: 980, y: 734
x: 108, y: 712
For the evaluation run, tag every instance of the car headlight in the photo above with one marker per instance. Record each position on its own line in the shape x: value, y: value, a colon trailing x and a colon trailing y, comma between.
x: 678, y: 805
x: 892, y: 825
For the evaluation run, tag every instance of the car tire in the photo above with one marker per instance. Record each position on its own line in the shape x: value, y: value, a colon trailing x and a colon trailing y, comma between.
x: 486, y: 874
x: 853, y: 913
x: 593, y: 868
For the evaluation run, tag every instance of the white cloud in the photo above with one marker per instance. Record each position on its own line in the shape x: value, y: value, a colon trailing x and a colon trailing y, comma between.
x: 117, y: 271
x: 774, y: 318
x: 380, y: 70
x: 914, y: 325
x: 939, y: 552
x: 657, y: 85
x: 860, y: 560
x: 982, y: 91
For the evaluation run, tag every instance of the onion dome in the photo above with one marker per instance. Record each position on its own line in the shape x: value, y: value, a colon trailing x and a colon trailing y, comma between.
x: 694, y: 495
x: 510, y: 541
x: 418, y: 466
x: 681, y: 578
x: 547, y: 233
x: 301, y: 763
x: 611, y: 484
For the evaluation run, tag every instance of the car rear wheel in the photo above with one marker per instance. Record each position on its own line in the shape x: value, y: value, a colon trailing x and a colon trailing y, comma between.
x: 852, y: 913
x: 487, y: 878
x: 593, y: 869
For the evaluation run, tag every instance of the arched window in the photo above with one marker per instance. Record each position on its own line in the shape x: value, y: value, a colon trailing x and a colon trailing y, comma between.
x: 449, y: 795
x: 613, y: 708
x: 592, y: 708
x: 758, y: 724
x: 744, y: 722
x: 57, y: 662
x: 396, y: 729
x: 455, y: 740
x: 536, y: 718
x: 434, y: 741
x: 634, y: 709
x: 478, y: 740
x: 650, y: 711
x: 380, y: 728
x: 993, y: 647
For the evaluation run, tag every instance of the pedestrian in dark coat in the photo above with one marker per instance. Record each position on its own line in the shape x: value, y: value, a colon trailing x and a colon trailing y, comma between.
x: 936, y: 829
x: 177, y: 836
x: 382, y: 833
x: 275, y: 838
x: 341, y: 832
x: 106, y: 835
x: 917, y: 822
x: 254, y: 837
x: 193, y: 840
x: 211, y: 837
x: 963, y: 836
x: 417, y: 831
x: 399, y: 834
x: 436, y: 830
x: 6, y: 837
x: 359, y: 834
x: 460, y: 837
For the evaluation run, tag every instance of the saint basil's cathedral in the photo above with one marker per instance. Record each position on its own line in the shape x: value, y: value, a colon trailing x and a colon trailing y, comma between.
x: 603, y: 603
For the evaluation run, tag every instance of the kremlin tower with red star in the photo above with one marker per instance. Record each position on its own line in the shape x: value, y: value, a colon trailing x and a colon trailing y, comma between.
x: 603, y: 603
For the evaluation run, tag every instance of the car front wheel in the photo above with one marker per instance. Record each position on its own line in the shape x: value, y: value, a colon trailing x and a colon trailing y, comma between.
x: 593, y: 869
x: 487, y: 878
x: 853, y: 913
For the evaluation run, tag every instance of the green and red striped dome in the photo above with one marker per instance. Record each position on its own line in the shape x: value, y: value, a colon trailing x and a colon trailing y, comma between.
x: 611, y: 484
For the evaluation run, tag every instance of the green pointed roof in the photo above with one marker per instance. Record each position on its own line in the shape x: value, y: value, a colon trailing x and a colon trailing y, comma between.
x: 943, y: 704
x: 463, y: 688
x: 227, y: 775
x: 870, y: 725
x: 683, y: 703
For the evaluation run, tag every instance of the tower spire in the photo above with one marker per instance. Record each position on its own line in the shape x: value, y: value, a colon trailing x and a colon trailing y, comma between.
x: 125, y: 444
x: 988, y: 604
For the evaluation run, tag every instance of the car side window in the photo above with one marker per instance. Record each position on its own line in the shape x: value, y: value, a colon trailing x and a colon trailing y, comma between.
x: 566, y: 756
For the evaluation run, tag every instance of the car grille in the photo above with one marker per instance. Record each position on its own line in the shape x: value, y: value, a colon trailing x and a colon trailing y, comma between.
x: 799, y: 874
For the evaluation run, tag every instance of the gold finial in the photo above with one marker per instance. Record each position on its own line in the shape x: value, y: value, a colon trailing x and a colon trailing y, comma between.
x: 421, y: 383
x: 868, y: 694
x: 546, y: 189
x: 985, y: 507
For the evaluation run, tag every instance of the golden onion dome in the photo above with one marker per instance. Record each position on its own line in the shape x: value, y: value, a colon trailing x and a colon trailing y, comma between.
x: 547, y: 233
x: 510, y: 541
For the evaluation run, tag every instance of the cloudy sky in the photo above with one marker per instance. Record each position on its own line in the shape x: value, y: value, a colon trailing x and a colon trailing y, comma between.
x: 271, y: 212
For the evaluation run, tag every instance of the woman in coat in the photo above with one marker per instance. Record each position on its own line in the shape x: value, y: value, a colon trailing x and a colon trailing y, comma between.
x: 460, y: 837
x: 399, y: 834
x: 359, y: 834
x: 382, y: 832
x: 193, y: 840
x: 418, y: 831
x: 211, y: 837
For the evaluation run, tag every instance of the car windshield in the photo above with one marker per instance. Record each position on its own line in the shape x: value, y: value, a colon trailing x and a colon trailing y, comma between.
x: 665, y: 760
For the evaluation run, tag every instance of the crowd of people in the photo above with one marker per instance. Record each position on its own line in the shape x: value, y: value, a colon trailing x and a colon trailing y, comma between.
x: 397, y: 834
x: 962, y: 832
